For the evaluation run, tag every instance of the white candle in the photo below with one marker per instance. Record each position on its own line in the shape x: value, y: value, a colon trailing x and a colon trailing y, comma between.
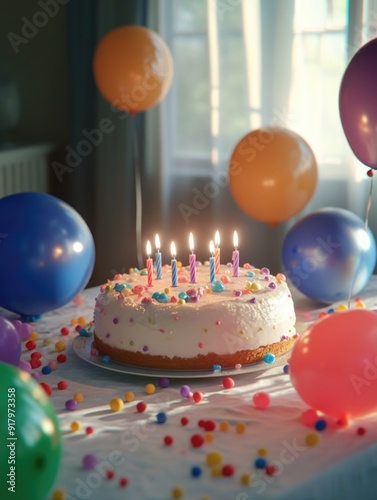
x: 158, y: 258
x: 149, y: 264
x: 192, y: 260
x: 174, y: 274
x: 212, y: 271
x: 217, y: 252
x: 236, y: 255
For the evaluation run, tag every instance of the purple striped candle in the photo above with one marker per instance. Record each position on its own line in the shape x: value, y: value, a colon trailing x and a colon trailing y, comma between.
x: 236, y: 255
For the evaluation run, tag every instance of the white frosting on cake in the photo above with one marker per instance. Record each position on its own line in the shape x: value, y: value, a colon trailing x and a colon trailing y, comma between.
x: 254, y: 309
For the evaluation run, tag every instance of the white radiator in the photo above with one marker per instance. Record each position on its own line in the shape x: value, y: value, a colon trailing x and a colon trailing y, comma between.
x: 24, y: 168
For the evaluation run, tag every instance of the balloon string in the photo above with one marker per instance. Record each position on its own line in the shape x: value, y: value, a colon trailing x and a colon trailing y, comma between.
x: 367, y: 210
x: 138, y: 194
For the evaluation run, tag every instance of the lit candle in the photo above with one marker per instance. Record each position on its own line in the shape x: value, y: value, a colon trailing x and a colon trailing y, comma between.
x: 158, y: 258
x: 212, y: 271
x: 149, y: 264
x: 217, y: 252
x: 174, y: 274
x: 192, y: 260
x: 236, y: 255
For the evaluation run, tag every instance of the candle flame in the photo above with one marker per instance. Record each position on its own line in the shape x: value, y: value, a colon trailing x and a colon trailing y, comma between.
x: 157, y: 242
x: 211, y: 247
x: 217, y: 238
x: 173, y: 249
x: 235, y: 239
x: 149, y: 249
x: 191, y: 242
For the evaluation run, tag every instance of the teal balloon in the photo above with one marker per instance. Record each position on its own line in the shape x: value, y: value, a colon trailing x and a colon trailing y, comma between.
x: 46, y: 253
x: 30, y: 463
x: 328, y: 254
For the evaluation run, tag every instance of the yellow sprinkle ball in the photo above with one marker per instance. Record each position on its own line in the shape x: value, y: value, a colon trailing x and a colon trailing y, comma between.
x: 177, y: 492
x: 74, y: 321
x: 209, y: 290
x: 131, y: 270
x: 78, y: 397
x: 262, y: 452
x: 255, y: 286
x: 60, y: 346
x: 179, y: 263
x: 312, y: 439
x: 75, y: 426
x: 150, y: 388
x: 209, y: 437
x: 167, y: 291
x: 216, y: 471
x: 81, y: 320
x: 246, y: 479
x: 129, y: 396
x: 181, y: 302
x: 341, y: 308
x: 46, y: 342
x: 33, y: 336
x: 256, y: 270
x: 214, y: 458
x: 359, y: 304
x: 59, y: 495
x: 116, y: 404
x: 280, y: 277
x: 240, y: 428
x: 242, y: 332
x: 224, y: 426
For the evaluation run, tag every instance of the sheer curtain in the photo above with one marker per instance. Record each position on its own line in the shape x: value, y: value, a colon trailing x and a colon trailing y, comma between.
x: 240, y: 65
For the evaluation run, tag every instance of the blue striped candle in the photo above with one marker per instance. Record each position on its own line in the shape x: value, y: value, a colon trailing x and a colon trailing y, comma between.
x: 158, y: 259
x: 174, y: 273
x: 212, y: 270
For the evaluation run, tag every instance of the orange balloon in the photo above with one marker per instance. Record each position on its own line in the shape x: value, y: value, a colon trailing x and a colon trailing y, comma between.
x: 133, y: 68
x: 272, y: 174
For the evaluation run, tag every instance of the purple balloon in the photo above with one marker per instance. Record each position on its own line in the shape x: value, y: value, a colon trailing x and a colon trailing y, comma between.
x: 10, y: 347
x: 358, y: 104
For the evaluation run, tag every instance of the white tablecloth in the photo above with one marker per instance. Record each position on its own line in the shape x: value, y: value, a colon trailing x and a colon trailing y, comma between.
x: 342, y: 466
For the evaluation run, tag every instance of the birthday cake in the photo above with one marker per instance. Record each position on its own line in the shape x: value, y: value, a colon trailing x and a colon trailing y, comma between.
x: 194, y: 326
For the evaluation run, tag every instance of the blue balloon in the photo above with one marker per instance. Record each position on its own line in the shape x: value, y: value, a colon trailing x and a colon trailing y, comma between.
x: 328, y: 254
x: 46, y: 253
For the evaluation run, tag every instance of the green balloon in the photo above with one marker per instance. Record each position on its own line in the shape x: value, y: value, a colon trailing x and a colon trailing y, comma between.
x: 31, y: 443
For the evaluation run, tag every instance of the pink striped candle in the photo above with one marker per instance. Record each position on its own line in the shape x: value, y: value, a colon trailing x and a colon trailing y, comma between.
x: 217, y: 252
x: 236, y: 255
x: 149, y: 264
x: 192, y: 260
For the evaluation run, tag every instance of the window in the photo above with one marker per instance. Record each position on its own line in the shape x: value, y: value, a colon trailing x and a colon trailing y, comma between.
x: 243, y: 64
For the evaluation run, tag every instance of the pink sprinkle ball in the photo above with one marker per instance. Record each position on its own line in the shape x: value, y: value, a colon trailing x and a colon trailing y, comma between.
x: 185, y: 391
x: 261, y: 400
x: 198, y: 396
x: 309, y: 417
x: 361, y: 431
x: 71, y: 405
x: 53, y: 365
x: 89, y: 461
x: 228, y: 383
x: 78, y: 300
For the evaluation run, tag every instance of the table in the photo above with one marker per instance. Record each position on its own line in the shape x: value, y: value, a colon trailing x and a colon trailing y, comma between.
x: 343, y: 465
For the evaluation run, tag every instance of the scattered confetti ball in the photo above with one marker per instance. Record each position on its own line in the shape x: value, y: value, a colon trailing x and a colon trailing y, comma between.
x: 168, y: 440
x: 262, y: 452
x: 361, y: 431
x: 123, y: 482
x: 286, y: 369
x: 46, y: 370
x: 35, y: 363
x: 141, y: 407
x: 309, y: 417
x: 71, y: 405
x: 53, y: 365
x: 185, y: 391
x: 240, y: 428
x: 209, y: 437
x: 64, y: 331
x: 209, y: 425
x: 184, y: 421
x: 47, y: 388
x: 270, y: 469
x: 312, y: 439
x: 59, y: 495
x: 60, y: 346
x: 269, y: 358
x: 78, y: 397
x: 35, y: 354
x: 150, y: 388
x: 246, y: 479
x: 228, y: 383
x: 164, y: 382
x: 214, y: 458
x: 62, y: 385
x: 106, y: 359
x: 216, y: 471
x: 224, y: 426
x: 261, y: 400
x: 129, y: 396
x: 110, y: 474
x: 116, y: 404
x: 46, y: 342
x: 177, y: 493
x: 89, y: 461
x: 227, y: 470
x: 62, y: 358
x: 320, y: 425
x: 260, y: 463
x: 196, y: 471
x: 161, y: 417
x: 197, y: 440
x: 198, y: 396
x: 30, y: 345
x: 34, y: 336
x: 75, y: 426
x: 89, y: 430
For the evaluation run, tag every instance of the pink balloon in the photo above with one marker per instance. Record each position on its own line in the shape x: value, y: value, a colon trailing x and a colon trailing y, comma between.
x: 333, y: 366
x: 358, y: 104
